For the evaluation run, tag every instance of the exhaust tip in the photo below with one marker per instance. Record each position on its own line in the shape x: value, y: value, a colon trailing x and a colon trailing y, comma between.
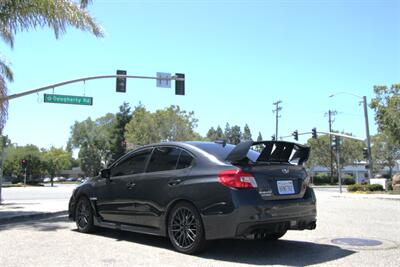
x: 312, y: 225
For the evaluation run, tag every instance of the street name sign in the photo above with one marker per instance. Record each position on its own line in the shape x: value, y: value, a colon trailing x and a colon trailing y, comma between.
x: 68, y: 99
x: 163, y: 79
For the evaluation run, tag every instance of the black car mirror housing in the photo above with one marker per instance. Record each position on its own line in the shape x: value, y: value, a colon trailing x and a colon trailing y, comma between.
x: 105, y: 173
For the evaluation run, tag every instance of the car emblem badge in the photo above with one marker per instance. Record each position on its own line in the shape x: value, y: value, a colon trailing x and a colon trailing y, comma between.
x: 285, y: 170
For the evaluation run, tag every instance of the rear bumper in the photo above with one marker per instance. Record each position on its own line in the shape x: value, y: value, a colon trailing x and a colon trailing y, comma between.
x: 266, y: 216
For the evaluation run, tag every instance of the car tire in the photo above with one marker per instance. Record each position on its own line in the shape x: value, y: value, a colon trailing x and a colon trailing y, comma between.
x: 273, y: 236
x: 84, y: 216
x: 185, y: 229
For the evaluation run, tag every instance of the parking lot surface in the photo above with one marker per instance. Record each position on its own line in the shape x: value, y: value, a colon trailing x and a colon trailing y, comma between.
x: 350, y: 232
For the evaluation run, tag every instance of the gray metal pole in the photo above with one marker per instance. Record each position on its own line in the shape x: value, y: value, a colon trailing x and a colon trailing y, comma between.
x: 370, y: 171
x: 338, y: 164
x: 330, y: 144
x: 25, y: 178
x: 52, y: 86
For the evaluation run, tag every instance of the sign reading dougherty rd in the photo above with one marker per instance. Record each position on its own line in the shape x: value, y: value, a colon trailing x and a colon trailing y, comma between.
x: 68, y: 99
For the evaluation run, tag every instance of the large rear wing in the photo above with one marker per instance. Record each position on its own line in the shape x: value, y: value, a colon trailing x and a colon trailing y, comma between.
x: 272, y: 151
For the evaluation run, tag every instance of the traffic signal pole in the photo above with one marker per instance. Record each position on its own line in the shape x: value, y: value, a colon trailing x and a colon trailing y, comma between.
x: 338, y: 166
x: 327, y: 133
x: 179, y: 90
x: 52, y: 86
x: 25, y: 178
x: 370, y: 170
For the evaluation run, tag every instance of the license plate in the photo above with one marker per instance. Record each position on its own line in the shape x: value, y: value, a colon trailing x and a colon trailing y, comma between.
x: 285, y: 187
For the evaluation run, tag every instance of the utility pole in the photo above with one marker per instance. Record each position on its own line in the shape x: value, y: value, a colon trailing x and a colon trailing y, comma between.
x: 338, y: 164
x: 276, y: 111
x: 370, y: 163
x: 330, y: 114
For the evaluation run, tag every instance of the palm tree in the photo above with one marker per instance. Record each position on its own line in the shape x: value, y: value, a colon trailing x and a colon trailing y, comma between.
x: 23, y: 15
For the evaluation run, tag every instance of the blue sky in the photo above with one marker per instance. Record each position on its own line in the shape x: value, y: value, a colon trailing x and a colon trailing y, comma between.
x: 238, y: 57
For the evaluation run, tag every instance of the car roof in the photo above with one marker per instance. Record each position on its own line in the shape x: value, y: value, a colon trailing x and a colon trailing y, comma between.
x: 199, y: 148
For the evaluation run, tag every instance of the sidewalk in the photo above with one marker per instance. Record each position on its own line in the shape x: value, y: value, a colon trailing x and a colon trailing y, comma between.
x: 367, y: 196
x: 20, y: 210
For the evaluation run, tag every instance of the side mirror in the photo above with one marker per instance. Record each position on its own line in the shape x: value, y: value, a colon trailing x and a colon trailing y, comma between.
x: 105, y: 173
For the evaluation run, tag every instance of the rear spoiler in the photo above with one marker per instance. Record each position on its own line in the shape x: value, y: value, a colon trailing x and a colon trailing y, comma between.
x: 273, y: 151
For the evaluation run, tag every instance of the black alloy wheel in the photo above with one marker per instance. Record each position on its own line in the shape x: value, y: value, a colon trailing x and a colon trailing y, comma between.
x: 84, y: 216
x: 185, y: 229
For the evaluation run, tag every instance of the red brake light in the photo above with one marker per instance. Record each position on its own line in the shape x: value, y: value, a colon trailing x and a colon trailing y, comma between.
x: 237, y: 179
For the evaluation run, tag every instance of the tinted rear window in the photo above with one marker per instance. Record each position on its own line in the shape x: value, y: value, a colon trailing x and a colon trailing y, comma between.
x: 163, y: 159
x: 220, y: 151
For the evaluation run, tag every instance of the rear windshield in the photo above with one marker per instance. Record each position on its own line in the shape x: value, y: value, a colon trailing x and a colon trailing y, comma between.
x: 220, y: 151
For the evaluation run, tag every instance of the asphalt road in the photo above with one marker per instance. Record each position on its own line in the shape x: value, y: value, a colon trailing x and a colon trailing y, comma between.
x: 55, y: 242
x: 59, y: 191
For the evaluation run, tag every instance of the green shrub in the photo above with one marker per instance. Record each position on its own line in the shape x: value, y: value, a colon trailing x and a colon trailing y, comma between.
x: 364, y: 188
x: 323, y: 180
x: 348, y: 181
x: 375, y: 187
x: 390, y: 186
x: 356, y: 187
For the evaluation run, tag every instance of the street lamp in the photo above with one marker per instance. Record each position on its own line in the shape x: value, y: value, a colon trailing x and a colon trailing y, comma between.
x: 364, y: 98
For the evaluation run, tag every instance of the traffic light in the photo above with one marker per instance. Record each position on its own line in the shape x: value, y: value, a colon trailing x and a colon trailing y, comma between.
x: 24, y: 163
x: 365, y: 153
x: 335, y: 142
x: 121, y: 82
x: 296, y: 135
x: 180, y: 85
x: 273, y: 138
x: 333, y: 145
x: 314, y: 133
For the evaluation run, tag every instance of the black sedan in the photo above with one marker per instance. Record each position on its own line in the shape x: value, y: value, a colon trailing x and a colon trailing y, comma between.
x: 192, y: 192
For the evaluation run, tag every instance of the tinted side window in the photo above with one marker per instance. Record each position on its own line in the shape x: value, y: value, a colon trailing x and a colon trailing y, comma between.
x: 163, y: 159
x: 132, y: 165
x: 185, y: 160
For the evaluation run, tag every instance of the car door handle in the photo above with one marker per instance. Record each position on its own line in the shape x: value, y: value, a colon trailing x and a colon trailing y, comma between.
x: 130, y: 185
x: 174, y: 182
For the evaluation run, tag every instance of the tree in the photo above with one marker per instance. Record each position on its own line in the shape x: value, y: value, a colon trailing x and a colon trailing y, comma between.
x: 215, y: 134
x: 350, y: 152
x: 175, y: 124
x: 169, y: 124
x: 117, y: 136
x: 22, y: 15
x: 235, y: 135
x: 385, y: 153
x: 246, y: 133
x: 211, y: 134
x: 141, y: 129
x: 259, y: 148
x: 320, y: 151
x: 227, y: 132
x: 387, y: 111
x: 92, y: 138
x: 56, y: 160
x: 12, y: 163
x: 219, y: 133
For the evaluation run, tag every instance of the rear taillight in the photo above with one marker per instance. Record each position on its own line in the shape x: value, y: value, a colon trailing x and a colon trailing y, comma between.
x: 237, y: 179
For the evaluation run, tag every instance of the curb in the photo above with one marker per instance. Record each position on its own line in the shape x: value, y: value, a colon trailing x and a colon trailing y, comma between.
x: 365, y: 197
x: 34, y: 216
x: 328, y: 186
